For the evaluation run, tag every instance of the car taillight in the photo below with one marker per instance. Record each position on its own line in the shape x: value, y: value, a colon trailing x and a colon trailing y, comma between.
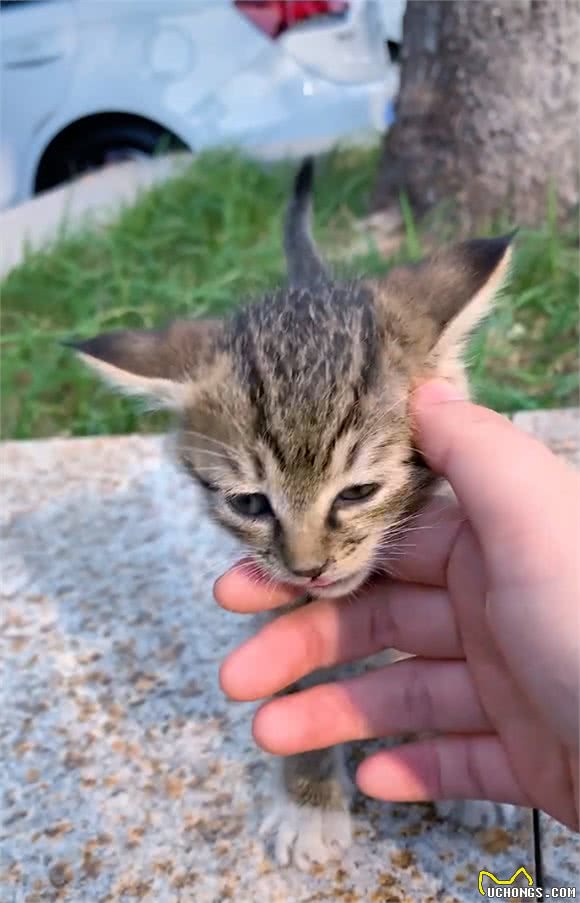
x: 274, y: 17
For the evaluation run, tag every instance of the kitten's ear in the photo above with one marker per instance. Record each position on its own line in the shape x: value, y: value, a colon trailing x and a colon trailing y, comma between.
x: 453, y: 290
x: 163, y: 366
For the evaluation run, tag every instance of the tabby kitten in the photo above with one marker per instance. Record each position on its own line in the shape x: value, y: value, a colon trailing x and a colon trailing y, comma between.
x: 293, y: 415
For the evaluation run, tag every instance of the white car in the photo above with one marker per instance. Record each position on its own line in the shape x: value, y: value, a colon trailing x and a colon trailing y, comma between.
x: 86, y: 82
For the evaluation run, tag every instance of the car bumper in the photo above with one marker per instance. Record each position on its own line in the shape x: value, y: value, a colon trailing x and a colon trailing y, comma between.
x: 277, y: 109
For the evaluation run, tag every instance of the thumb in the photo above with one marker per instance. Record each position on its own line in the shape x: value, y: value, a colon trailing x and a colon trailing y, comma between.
x: 508, y: 483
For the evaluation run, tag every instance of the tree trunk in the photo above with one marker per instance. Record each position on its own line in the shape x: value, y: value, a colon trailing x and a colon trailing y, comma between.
x: 487, y: 114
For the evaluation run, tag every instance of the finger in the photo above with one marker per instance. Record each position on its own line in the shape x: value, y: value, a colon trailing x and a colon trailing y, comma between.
x: 443, y: 768
x: 407, y: 697
x: 497, y: 472
x: 429, y: 538
x: 246, y: 588
x: 413, y: 619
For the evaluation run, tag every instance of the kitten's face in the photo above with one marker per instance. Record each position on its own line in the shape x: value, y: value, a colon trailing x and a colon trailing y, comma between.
x: 294, y: 412
x: 322, y: 533
x: 310, y: 464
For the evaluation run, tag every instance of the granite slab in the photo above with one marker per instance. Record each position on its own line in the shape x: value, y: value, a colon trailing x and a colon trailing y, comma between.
x: 126, y: 773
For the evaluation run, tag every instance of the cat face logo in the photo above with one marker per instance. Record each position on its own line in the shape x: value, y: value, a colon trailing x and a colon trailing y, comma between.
x: 520, y: 871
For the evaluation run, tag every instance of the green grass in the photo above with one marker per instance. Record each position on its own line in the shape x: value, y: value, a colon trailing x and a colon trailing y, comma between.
x: 212, y: 237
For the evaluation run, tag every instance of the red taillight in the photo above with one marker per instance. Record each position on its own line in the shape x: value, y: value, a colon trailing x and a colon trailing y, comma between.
x: 274, y: 17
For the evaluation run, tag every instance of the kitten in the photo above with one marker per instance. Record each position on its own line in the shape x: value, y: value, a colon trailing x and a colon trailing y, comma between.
x: 293, y: 417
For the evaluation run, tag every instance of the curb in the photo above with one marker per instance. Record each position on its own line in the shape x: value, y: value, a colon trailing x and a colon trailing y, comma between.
x: 96, y: 197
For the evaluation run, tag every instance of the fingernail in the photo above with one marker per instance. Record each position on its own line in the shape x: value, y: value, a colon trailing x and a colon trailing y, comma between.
x: 436, y: 391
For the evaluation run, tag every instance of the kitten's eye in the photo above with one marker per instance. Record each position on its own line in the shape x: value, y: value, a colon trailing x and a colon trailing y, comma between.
x: 357, y: 493
x: 251, y: 504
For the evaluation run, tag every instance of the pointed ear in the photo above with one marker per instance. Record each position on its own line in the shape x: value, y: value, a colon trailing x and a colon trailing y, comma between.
x: 452, y: 291
x: 160, y: 365
x: 470, y: 275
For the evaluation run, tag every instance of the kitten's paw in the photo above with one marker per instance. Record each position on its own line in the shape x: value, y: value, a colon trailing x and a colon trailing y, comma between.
x: 476, y: 814
x: 306, y: 835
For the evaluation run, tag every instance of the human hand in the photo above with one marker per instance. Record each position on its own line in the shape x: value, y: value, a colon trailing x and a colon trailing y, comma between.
x: 487, y: 602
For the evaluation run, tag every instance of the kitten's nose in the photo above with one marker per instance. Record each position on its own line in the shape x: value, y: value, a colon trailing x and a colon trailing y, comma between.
x: 312, y: 573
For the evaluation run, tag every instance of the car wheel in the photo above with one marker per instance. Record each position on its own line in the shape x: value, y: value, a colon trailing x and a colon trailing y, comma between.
x: 92, y: 147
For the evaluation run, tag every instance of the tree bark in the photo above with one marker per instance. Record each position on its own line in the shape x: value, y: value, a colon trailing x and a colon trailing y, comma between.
x: 488, y: 110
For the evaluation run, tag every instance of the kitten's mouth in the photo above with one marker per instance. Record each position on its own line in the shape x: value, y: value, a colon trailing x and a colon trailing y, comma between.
x: 325, y: 581
x: 319, y: 587
x: 329, y: 588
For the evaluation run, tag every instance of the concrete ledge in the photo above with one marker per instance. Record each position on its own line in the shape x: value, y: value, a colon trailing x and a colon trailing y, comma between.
x: 96, y: 197
x: 127, y: 775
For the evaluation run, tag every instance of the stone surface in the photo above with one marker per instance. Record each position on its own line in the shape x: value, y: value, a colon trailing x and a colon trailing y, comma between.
x: 560, y: 430
x: 127, y: 774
